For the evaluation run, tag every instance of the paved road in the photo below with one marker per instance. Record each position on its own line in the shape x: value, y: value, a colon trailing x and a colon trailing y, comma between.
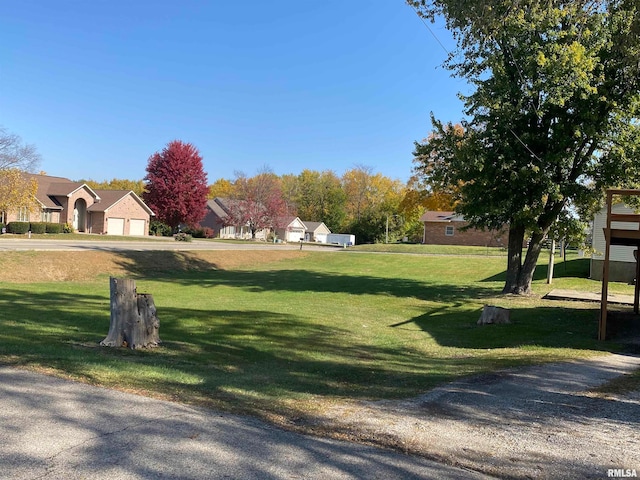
x: 152, y: 243
x: 56, y: 429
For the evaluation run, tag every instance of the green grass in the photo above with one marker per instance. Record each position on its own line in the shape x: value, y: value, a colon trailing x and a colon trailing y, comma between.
x: 286, y: 338
x: 430, y: 249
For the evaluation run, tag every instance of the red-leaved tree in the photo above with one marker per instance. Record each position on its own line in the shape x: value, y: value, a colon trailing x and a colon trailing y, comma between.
x: 258, y: 203
x: 176, y: 185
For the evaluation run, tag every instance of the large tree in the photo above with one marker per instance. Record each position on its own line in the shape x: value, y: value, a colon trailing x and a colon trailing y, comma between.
x: 257, y: 202
x: 16, y: 157
x: 373, y: 201
x: 15, y: 154
x: 553, y: 106
x: 176, y: 185
x: 320, y: 198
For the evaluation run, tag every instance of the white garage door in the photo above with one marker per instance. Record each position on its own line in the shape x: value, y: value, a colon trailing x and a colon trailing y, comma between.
x: 136, y: 227
x: 115, y: 226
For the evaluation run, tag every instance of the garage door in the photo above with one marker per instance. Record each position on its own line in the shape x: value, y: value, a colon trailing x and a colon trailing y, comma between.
x: 115, y: 226
x: 136, y: 227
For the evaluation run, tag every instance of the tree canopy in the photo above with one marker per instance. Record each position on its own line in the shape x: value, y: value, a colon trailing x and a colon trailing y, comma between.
x: 16, y: 157
x: 257, y: 202
x: 551, y: 119
x: 15, y: 154
x: 176, y: 185
x: 136, y: 186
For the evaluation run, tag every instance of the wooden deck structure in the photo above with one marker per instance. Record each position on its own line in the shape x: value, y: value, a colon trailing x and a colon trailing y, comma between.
x: 617, y: 236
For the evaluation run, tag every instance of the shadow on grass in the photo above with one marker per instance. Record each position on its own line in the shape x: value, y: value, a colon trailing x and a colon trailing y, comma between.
x: 185, y: 268
x: 230, y: 353
x: 577, y: 268
x: 551, y: 327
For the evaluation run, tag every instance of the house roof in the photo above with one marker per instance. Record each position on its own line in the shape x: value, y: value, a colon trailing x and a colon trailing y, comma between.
x: 313, y: 226
x: 110, y: 198
x: 435, y: 216
x: 219, y: 206
x: 51, y: 187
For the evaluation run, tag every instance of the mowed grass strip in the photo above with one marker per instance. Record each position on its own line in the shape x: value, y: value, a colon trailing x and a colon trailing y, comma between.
x: 283, y: 334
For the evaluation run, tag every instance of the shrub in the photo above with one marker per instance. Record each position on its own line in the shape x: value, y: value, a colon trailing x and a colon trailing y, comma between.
x: 159, y: 229
x: 38, y: 227
x: 18, y: 227
x: 209, y: 232
x: 66, y: 228
x: 196, y: 232
x: 53, y: 228
x: 2, y: 227
x: 183, y: 237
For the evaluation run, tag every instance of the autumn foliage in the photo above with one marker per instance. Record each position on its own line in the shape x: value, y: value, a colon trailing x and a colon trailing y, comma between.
x: 258, y: 203
x: 176, y: 188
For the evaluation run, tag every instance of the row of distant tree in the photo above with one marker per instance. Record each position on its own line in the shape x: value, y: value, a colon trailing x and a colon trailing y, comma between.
x: 176, y: 188
x: 360, y: 201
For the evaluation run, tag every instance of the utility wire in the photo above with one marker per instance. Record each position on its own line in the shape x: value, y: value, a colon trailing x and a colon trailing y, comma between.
x: 430, y: 30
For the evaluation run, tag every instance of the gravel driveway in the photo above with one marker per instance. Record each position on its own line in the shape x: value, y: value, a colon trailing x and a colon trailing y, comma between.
x: 538, y: 422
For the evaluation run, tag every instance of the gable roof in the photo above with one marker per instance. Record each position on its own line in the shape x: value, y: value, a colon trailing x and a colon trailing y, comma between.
x: 219, y: 206
x: 313, y: 226
x: 435, y: 216
x: 288, y: 221
x: 110, y: 198
x: 51, y: 187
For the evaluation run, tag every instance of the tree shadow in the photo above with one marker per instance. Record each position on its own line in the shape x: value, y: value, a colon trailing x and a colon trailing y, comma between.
x: 123, y: 434
x: 576, y: 268
x: 185, y: 268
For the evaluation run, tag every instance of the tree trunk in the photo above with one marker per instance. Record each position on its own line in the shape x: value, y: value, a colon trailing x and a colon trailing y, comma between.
x: 514, y: 257
x: 133, y: 317
x: 520, y: 275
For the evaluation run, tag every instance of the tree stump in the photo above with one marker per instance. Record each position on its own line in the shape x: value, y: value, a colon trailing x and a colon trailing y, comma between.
x: 492, y: 314
x: 134, y: 323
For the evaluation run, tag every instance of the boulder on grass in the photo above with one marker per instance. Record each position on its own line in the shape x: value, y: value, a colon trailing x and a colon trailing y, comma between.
x: 492, y: 314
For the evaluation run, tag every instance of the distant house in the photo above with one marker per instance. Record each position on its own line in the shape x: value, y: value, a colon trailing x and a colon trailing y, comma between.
x: 622, y: 263
x: 113, y: 212
x: 447, y: 228
x: 217, y: 219
x: 316, y: 232
x: 292, y: 229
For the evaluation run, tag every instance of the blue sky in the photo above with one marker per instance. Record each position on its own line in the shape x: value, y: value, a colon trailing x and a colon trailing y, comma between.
x: 98, y: 86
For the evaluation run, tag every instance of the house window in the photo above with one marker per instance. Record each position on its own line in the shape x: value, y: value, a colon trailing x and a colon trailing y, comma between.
x: 448, y: 231
x: 46, y: 216
x: 3, y: 216
x: 23, y: 214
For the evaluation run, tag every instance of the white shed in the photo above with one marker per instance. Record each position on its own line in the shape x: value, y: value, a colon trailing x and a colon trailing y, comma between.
x: 622, y: 263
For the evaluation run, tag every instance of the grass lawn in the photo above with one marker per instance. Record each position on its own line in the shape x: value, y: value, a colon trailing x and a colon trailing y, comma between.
x: 283, y: 334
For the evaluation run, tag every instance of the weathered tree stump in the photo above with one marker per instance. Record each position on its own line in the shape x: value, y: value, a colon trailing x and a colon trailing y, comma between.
x: 492, y: 314
x: 134, y: 323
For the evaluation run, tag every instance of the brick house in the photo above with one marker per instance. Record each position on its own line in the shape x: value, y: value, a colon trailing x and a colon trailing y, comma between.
x: 446, y: 228
x: 216, y: 218
x: 59, y: 200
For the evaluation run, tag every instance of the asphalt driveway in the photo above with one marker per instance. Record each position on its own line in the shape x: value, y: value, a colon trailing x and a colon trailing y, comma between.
x: 52, y: 428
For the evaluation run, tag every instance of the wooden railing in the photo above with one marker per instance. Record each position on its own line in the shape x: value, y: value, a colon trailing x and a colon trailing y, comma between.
x: 618, y: 236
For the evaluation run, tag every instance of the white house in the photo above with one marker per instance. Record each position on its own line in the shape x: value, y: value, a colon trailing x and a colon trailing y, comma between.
x: 316, y: 232
x: 293, y: 230
x: 622, y: 263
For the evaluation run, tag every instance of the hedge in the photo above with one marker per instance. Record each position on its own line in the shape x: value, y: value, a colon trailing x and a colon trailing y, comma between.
x: 53, y: 227
x: 38, y: 227
x: 18, y: 227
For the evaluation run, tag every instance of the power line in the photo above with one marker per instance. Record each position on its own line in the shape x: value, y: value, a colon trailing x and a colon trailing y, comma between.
x: 429, y: 28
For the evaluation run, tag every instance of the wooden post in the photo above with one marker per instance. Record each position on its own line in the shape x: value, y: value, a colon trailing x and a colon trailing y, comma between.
x: 552, y: 260
x: 636, y: 291
x: 134, y: 323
